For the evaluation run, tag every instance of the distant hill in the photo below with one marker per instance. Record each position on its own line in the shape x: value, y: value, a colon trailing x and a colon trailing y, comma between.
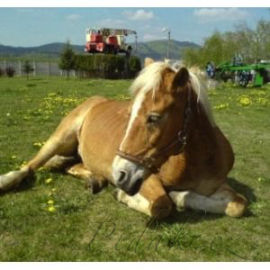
x: 156, y: 49
x: 51, y: 50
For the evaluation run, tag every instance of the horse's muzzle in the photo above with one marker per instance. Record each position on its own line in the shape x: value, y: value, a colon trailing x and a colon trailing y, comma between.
x: 128, y: 175
x: 131, y: 185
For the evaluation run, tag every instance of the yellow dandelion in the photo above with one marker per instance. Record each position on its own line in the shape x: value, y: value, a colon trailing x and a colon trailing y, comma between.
x: 51, y: 209
x: 221, y: 106
x: 23, y: 164
x: 262, y: 101
x: 245, y: 101
x: 38, y: 144
x: 261, y: 179
x: 50, y: 202
x: 48, y: 180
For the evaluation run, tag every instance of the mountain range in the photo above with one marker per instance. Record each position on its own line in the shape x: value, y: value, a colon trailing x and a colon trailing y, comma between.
x: 155, y: 49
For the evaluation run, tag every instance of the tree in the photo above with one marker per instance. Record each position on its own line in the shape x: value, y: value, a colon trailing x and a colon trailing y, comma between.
x: 213, y: 49
x: 27, y: 68
x: 191, y: 56
x: 67, y: 59
x: 10, y: 71
x: 252, y: 44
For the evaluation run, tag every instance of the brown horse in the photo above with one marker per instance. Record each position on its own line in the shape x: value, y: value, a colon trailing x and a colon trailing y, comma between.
x: 163, y: 148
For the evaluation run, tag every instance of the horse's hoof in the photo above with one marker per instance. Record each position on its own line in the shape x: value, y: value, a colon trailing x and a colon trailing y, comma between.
x: 115, y: 193
x: 13, y: 179
x: 96, y: 186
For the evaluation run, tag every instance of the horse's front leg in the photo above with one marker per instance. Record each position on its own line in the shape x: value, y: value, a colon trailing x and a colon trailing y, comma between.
x: 94, y: 182
x: 151, y: 200
x: 224, y: 201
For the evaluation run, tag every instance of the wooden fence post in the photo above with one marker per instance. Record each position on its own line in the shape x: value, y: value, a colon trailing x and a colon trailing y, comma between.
x: 34, y: 67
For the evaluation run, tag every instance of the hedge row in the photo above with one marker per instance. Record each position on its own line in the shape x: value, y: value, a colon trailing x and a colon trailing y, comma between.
x: 8, y: 71
x: 107, y: 66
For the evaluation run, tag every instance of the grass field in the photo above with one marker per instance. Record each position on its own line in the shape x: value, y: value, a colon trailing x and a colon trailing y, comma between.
x: 87, y: 227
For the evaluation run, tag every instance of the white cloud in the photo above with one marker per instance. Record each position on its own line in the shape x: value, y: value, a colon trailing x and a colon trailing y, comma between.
x: 73, y: 17
x: 220, y: 14
x: 110, y: 23
x: 149, y: 37
x: 139, y: 15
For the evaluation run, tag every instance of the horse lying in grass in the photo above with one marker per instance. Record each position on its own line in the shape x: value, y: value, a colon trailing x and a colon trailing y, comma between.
x: 160, y: 149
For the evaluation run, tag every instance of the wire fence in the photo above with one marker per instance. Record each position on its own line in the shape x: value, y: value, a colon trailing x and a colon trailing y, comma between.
x: 40, y: 68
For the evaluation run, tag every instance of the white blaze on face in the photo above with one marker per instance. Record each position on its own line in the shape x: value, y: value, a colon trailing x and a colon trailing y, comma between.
x: 134, y: 113
x: 119, y: 163
x: 122, y: 164
x: 148, y: 80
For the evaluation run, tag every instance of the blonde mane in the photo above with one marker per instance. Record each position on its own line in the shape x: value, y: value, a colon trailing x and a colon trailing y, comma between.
x: 150, y: 79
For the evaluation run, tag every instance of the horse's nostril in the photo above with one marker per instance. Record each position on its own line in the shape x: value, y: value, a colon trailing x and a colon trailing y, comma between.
x: 136, y: 187
x: 122, y: 177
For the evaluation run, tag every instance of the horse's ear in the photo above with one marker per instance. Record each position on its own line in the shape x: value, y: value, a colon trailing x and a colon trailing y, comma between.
x: 181, y: 78
x: 148, y: 61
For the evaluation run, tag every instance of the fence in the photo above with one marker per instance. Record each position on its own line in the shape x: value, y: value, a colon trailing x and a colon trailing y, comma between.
x: 40, y: 68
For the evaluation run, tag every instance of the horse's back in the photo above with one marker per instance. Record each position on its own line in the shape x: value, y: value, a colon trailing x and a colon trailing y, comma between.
x: 73, y: 121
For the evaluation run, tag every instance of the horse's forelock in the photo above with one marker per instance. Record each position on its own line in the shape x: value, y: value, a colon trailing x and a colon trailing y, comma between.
x: 150, y: 78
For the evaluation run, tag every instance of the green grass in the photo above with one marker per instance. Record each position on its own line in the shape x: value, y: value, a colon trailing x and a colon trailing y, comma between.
x: 88, y: 227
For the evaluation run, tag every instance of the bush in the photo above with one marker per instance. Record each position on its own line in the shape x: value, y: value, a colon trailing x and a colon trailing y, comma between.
x: 1, y: 72
x: 134, y: 64
x: 27, y: 68
x: 107, y: 66
x: 67, y: 59
x: 10, y: 71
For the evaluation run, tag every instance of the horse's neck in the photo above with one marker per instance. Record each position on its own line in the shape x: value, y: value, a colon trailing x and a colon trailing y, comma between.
x: 201, y: 132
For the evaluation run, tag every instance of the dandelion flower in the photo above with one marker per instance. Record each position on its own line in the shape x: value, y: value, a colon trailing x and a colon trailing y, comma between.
x: 39, y: 144
x: 50, y: 202
x: 221, y: 106
x: 261, y: 179
x: 51, y: 209
x: 245, y: 101
x: 23, y: 164
x: 48, y: 180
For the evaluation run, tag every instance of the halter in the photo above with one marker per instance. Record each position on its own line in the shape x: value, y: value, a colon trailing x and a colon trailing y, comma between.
x: 179, y: 142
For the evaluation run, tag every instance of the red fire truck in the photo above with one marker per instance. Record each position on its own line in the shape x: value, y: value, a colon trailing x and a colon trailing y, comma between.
x: 108, y: 40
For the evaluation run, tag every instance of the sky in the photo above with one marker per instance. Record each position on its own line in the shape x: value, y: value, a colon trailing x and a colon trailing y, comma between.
x: 37, y: 26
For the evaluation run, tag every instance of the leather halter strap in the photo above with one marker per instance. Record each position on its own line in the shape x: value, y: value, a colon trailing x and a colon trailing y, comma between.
x: 176, y: 146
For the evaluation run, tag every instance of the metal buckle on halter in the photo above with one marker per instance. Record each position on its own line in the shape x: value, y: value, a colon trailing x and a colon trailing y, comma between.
x: 148, y: 162
x: 182, y: 137
x: 188, y: 112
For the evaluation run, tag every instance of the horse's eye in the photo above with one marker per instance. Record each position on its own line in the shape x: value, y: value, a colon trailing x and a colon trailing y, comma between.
x: 153, y: 118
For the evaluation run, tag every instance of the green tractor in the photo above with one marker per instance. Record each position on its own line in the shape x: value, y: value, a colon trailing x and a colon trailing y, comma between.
x: 243, y: 74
